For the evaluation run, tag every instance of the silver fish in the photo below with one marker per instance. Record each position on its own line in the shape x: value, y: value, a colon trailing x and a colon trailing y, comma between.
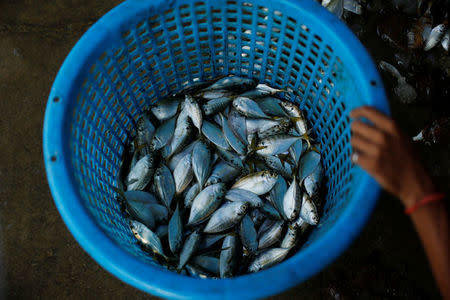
x: 353, y: 6
x: 174, y: 160
x: 231, y: 158
x: 265, y: 128
x: 190, y: 195
x: 300, y: 225
x: 183, y: 131
x: 166, y: 109
x: 159, y: 212
x: 210, y: 239
x: 231, y: 138
x: 266, y: 225
x: 276, y: 144
x: 248, y: 108
x: 206, y: 203
x: 270, y: 211
x: 313, y: 181
x: 248, y: 234
x: 259, y: 125
x: 294, y: 112
x: 258, y: 183
x: 228, y: 256
x: 279, y: 129
x: 296, y: 151
x: 239, y: 195
x: 175, y: 231
x: 435, y: 36
x: 201, y: 162
x: 145, y: 131
x: 222, y: 172
x: 194, y: 112
x: 139, y: 197
x: 232, y: 83
x: 189, y: 247
x: 215, y: 135
x: 260, y: 91
x: 276, y: 195
x: 405, y: 92
x: 141, y: 174
x: 309, y: 211
x: 268, y: 258
x: 308, y: 163
x: 147, y: 237
x: 274, y: 163
x: 334, y: 6
x: 257, y: 217
x: 226, y: 216
x: 216, y: 105
x: 445, y: 40
x: 218, y: 119
x: 271, y: 236
x: 194, y: 271
x: 237, y: 123
x: 138, y: 204
x: 290, y: 238
x: 165, y: 185
x: 208, y: 263
x: 162, y: 231
x: 272, y: 106
x: 292, y: 200
x: 215, y: 94
x: 163, y: 134
x: 183, y: 173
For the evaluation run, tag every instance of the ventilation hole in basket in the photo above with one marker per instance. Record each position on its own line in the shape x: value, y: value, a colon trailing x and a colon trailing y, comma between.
x: 53, y: 158
x: 56, y: 99
x: 373, y: 83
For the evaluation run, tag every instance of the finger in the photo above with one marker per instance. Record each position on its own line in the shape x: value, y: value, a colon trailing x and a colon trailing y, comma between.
x: 368, y: 132
x: 363, y: 145
x: 365, y: 161
x: 379, y: 119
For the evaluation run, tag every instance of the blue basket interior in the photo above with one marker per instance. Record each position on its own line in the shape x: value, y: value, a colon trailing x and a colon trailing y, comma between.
x: 170, y: 46
x: 195, y: 42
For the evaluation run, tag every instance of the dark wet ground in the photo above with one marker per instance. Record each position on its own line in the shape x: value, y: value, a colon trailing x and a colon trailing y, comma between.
x: 40, y: 257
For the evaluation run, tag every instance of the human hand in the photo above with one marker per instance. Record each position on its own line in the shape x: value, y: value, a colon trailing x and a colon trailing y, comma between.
x: 385, y: 152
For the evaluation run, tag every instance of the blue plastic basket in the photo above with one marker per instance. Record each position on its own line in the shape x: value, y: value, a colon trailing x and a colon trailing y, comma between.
x: 143, y: 50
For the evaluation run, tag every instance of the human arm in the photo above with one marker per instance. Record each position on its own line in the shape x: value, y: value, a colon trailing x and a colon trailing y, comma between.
x: 385, y: 152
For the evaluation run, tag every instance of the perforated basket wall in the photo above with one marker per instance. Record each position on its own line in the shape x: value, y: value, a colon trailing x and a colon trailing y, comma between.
x: 141, y: 52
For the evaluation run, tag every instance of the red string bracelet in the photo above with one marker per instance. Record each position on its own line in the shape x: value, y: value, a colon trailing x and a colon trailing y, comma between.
x: 427, y: 199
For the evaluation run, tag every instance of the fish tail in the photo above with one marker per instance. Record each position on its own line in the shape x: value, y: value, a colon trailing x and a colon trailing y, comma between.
x: 296, y: 119
x: 306, y: 137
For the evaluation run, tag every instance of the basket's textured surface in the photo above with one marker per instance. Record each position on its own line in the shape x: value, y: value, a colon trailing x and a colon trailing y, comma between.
x: 141, y: 52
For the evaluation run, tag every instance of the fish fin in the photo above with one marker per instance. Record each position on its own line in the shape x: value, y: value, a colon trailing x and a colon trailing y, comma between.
x: 296, y: 119
x: 308, y: 139
x: 314, y: 148
x: 284, y: 158
x: 259, y: 148
x: 131, y: 181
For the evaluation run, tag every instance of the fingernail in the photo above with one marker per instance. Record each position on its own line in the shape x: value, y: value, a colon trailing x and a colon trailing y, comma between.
x: 354, y: 157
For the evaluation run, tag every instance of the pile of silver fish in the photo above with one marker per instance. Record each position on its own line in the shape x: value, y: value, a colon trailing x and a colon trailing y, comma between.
x: 221, y: 179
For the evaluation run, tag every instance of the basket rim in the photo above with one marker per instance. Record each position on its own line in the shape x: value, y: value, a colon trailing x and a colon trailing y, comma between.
x: 162, y: 282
